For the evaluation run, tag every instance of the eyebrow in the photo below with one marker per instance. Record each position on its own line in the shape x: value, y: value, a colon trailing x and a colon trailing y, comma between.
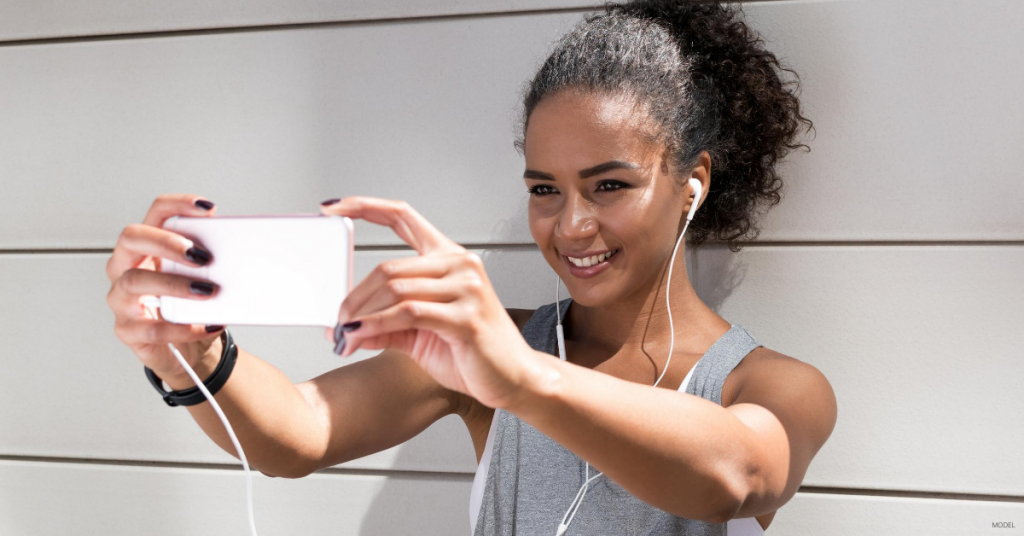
x: 584, y: 173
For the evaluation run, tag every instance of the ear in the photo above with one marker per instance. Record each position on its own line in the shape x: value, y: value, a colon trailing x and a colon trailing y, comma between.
x: 702, y: 172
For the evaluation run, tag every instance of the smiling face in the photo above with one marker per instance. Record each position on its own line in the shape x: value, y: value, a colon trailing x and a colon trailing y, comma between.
x: 600, y: 184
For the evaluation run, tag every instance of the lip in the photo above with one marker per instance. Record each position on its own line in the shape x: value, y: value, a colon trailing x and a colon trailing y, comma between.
x: 584, y: 254
x: 589, y: 271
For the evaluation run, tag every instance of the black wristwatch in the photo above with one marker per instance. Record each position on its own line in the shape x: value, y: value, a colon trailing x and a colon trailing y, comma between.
x: 192, y: 395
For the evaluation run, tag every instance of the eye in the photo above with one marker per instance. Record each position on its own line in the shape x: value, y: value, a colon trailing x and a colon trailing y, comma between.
x: 540, y: 190
x: 618, y: 185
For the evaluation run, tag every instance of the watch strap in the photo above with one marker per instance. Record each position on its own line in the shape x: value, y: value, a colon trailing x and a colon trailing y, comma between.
x: 192, y: 395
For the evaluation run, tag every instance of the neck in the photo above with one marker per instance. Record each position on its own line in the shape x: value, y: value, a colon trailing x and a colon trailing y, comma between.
x: 639, y: 322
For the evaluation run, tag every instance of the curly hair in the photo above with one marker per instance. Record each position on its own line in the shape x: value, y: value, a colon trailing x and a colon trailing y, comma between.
x: 705, y: 80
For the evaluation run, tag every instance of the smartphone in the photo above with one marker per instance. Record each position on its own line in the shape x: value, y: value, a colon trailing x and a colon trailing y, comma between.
x: 272, y: 270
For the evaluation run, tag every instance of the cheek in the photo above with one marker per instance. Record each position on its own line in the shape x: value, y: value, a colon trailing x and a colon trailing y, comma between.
x: 632, y: 224
x: 645, y: 231
x: 543, y: 220
x: 541, y: 228
x: 535, y: 226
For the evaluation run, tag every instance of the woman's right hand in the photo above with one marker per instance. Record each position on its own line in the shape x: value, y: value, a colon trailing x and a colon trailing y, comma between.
x: 134, y: 272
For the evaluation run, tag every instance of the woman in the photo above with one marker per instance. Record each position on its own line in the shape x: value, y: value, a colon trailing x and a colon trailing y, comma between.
x: 633, y: 105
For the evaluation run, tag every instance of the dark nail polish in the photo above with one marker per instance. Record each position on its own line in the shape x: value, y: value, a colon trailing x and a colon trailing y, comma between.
x: 340, y: 346
x: 331, y: 201
x: 204, y: 204
x: 211, y: 329
x: 198, y: 255
x: 352, y: 326
x: 201, y: 287
x: 338, y: 332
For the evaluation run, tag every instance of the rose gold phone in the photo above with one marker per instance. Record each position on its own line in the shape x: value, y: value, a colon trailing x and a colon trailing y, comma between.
x: 273, y: 270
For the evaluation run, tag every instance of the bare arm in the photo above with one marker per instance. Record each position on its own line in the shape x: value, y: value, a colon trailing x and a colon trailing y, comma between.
x: 291, y: 430
x: 342, y: 415
x: 682, y: 453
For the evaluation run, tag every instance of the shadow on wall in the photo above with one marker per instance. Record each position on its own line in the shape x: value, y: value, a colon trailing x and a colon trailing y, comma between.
x: 446, y: 505
x: 716, y: 274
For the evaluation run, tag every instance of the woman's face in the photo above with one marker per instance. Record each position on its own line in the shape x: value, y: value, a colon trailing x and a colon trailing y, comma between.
x: 599, y: 185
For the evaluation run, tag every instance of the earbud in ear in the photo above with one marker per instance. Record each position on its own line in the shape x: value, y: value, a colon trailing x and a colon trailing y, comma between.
x: 697, y: 190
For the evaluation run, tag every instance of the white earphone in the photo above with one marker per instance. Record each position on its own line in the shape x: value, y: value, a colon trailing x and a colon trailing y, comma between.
x: 151, y: 303
x: 576, y: 502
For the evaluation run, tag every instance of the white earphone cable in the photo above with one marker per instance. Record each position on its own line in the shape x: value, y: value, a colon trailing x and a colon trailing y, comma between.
x: 668, y: 305
x: 231, y: 433
x: 574, y: 506
x: 576, y: 502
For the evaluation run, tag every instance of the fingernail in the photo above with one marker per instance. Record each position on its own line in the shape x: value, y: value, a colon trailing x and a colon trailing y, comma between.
x: 340, y: 346
x: 338, y: 333
x: 352, y: 326
x: 204, y: 204
x: 201, y: 287
x: 198, y: 255
x: 211, y: 329
x: 330, y: 201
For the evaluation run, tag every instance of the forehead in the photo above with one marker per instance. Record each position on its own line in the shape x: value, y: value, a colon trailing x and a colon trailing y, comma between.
x: 574, y: 130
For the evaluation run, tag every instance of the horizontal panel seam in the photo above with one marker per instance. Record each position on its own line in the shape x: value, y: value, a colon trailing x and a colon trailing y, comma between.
x: 884, y: 242
x: 413, y: 474
x: 532, y: 246
x: 284, y: 26
x: 297, y: 25
x: 914, y: 494
x: 453, y: 475
x: 381, y: 247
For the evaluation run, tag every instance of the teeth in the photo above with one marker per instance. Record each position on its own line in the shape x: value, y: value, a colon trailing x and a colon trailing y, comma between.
x: 590, y: 261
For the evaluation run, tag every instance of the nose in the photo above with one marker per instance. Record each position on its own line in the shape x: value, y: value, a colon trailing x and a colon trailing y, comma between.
x: 576, y: 223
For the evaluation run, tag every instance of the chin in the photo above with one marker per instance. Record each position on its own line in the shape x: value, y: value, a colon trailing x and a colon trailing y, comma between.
x: 589, y: 294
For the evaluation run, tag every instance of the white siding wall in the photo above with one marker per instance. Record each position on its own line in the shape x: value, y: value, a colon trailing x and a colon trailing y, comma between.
x: 866, y: 270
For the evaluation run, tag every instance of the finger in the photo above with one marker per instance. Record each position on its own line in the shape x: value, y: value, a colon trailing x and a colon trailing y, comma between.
x: 401, y: 342
x: 168, y: 205
x: 163, y: 207
x: 139, y: 241
x: 443, y: 318
x: 144, y: 331
x: 407, y: 223
x: 443, y: 290
x: 125, y: 296
x: 352, y: 347
x: 420, y: 266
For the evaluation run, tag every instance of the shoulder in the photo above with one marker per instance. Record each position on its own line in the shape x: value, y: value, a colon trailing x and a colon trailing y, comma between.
x: 786, y: 386
x: 789, y: 409
x: 765, y: 369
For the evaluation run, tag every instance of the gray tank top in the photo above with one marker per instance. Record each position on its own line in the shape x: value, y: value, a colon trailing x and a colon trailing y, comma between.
x: 532, y: 480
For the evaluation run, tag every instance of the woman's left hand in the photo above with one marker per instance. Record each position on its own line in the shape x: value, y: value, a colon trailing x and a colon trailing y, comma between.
x: 438, y: 308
